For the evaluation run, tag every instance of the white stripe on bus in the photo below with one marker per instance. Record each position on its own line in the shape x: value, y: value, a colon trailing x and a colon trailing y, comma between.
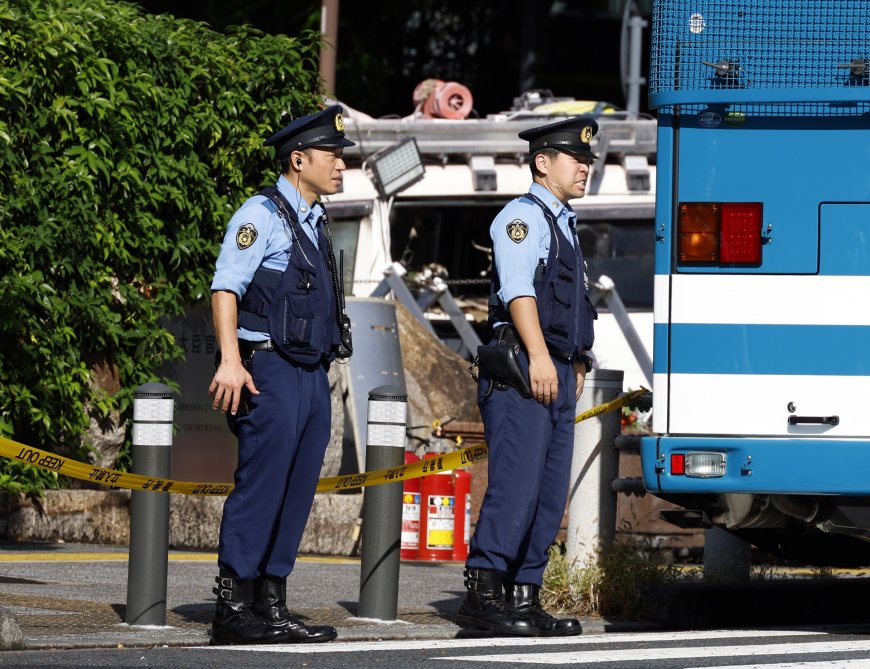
x: 764, y: 299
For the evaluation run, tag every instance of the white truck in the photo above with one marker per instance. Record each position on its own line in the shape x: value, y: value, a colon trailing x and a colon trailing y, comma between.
x: 420, y: 193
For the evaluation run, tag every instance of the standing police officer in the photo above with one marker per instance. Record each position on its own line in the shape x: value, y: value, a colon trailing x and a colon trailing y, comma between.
x: 540, y: 307
x: 278, y: 313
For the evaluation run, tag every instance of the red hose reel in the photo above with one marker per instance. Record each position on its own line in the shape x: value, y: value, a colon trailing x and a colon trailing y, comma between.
x: 435, y: 98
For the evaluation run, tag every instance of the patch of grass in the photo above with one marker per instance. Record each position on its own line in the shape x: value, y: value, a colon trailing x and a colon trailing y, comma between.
x: 823, y: 573
x: 610, y: 585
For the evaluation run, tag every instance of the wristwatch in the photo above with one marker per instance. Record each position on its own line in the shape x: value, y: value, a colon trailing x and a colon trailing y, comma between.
x: 586, y: 360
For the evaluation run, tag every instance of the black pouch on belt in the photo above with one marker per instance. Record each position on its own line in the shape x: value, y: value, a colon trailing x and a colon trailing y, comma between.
x: 501, y: 362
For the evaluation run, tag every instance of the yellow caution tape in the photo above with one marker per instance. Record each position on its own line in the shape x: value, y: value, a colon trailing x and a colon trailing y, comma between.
x: 415, y: 470
x: 111, y: 477
x: 612, y: 405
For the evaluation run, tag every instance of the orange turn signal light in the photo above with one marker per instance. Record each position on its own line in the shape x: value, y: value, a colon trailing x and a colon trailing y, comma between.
x: 698, y: 230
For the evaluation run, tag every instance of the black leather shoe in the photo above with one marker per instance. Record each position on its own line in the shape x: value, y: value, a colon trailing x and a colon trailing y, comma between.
x: 233, y: 621
x: 270, y: 604
x: 525, y: 600
x: 484, y: 606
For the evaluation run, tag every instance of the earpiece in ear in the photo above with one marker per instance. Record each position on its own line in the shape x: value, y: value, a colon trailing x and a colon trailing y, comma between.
x: 298, y: 162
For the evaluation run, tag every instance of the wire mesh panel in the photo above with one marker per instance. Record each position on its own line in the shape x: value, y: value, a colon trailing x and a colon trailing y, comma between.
x: 789, y: 46
x: 738, y: 110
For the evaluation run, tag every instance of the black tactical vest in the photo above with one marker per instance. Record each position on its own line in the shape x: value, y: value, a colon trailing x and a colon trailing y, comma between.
x: 297, y: 307
x: 564, y: 309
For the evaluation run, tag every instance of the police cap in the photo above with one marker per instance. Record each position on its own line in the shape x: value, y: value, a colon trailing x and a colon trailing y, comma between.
x: 572, y: 136
x: 325, y: 128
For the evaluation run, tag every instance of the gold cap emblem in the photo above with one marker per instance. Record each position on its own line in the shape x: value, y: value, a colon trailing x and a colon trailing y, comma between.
x: 339, y: 123
x: 586, y: 134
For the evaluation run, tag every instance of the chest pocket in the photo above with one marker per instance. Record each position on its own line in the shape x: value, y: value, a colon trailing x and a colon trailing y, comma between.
x: 299, y: 309
x: 563, y: 293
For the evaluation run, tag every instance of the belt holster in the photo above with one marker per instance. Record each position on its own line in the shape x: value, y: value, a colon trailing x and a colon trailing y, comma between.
x: 500, y: 361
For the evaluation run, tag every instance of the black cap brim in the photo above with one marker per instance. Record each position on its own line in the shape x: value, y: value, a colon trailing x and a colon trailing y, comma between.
x: 579, y: 152
x: 334, y: 143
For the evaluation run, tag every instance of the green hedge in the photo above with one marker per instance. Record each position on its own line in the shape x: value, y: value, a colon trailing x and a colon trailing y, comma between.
x: 127, y: 140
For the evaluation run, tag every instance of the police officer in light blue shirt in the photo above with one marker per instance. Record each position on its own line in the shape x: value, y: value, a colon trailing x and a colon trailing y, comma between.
x: 538, y: 304
x: 278, y: 313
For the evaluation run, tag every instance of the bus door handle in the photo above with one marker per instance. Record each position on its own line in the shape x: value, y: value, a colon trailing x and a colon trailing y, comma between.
x: 818, y: 420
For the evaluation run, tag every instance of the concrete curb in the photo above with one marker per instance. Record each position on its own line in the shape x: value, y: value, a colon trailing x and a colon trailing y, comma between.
x: 151, y: 637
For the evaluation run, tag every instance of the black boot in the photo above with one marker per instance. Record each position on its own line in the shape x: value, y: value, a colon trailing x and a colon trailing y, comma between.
x: 233, y: 621
x: 270, y: 604
x: 484, y: 606
x: 525, y: 600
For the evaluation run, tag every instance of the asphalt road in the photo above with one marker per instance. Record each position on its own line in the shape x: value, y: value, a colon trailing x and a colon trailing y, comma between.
x: 70, y: 604
x: 814, y: 648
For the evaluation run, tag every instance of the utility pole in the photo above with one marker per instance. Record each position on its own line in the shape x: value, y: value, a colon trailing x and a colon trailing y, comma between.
x: 329, y: 48
x: 529, y: 60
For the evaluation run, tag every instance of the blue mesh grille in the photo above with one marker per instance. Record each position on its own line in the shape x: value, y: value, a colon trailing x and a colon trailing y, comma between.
x: 789, y: 109
x: 760, y: 45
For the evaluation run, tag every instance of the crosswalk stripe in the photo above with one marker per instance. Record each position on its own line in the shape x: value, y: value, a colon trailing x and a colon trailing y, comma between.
x: 491, y: 642
x: 576, y: 657
x: 825, y: 664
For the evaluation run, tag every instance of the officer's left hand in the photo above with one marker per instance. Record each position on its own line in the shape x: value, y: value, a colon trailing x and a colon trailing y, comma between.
x: 580, y: 373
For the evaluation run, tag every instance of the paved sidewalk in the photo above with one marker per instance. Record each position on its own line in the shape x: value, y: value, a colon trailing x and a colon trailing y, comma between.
x: 74, y: 596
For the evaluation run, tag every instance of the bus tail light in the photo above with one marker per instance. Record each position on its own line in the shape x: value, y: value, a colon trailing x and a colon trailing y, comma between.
x: 703, y: 465
x: 725, y: 233
x: 740, y: 233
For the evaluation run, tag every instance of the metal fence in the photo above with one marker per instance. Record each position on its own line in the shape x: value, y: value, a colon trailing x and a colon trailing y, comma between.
x: 765, y: 45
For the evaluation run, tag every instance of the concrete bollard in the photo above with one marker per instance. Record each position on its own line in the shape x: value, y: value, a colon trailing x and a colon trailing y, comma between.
x: 149, y: 511
x: 382, y: 505
x: 591, y: 501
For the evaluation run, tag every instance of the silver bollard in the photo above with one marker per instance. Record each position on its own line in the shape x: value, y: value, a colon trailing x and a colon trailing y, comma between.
x: 149, y: 511
x: 591, y: 501
x: 382, y: 505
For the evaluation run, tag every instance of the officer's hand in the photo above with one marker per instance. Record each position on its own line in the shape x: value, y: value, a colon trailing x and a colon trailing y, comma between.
x: 543, y: 379
x: 580, y: 373
x: 227, y: 386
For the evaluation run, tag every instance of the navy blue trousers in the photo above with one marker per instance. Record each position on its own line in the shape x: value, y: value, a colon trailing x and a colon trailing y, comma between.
x: 530, y: 450
x: 282, y: 441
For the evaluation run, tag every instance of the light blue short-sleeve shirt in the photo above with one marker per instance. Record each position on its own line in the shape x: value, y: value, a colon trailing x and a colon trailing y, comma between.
x: 257, y: 237
x: 521, y: 239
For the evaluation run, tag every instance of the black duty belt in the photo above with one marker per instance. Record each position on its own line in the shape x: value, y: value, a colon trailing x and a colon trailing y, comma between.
x: 246, y: 346
x: 513, y: 338
x: 559, y: 354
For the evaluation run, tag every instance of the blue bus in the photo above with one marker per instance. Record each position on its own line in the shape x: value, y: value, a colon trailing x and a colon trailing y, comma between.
x: 762, y: 272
